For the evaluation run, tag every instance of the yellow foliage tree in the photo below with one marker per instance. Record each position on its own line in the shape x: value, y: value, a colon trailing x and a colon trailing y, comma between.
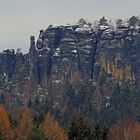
x: 25, y: 127
x: 52, y: 129
x: 5, y: 124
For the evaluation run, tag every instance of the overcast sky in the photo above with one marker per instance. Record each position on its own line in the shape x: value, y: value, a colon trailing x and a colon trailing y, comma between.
x: 21, y: 18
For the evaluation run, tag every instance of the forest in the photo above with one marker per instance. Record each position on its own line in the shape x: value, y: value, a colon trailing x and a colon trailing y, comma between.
x: 35, y: 126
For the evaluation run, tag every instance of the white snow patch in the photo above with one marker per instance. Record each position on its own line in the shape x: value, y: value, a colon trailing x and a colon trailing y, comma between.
x: 57, y: 81
x: 108, y: 97
x: 107, y: 104
x: 74, y: 51
x: 58, y: 49
x: 55, y: 25
x: 137, y: 27
x: 102, y: 27
x: 56, y: 54
x: 48, y: 49
x: 84, y: 28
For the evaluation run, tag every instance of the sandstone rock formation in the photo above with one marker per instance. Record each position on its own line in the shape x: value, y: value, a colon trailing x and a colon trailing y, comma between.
x: 63, y: 54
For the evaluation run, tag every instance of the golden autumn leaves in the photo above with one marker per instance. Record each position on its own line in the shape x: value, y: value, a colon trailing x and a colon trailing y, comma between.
x: 25, y: 126
x: 5, y: 125
x: 50, y: 128
x: 126, y: 129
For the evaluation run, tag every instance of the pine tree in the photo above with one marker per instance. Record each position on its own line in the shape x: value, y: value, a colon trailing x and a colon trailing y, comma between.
x: 37, y: 134
x: 2, y: 137
x: 80, y: 129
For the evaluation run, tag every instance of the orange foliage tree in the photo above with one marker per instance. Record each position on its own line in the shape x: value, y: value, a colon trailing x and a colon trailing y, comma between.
x: 5, y: 124
x: 126, y: 129
x: 52, y: 129
x: 25, y: 127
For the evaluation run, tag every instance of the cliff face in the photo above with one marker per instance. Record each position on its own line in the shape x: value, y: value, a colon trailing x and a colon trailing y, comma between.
x: 63, y: 51
x: 67, y: 54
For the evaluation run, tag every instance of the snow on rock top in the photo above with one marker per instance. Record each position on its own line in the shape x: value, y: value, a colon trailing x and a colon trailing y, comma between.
x: 124, y: 25
x: 85, y: 28
x: 102, y: 27
x: 55, y: 26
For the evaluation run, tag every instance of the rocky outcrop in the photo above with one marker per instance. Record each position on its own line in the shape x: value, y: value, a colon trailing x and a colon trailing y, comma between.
x: 62, y: 51
x: 63, y: 54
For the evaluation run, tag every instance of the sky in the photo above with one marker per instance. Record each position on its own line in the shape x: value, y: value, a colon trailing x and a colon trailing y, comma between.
x: 19, y: 19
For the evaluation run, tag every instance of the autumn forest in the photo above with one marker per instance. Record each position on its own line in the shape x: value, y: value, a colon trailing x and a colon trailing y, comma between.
x: 32, y: 126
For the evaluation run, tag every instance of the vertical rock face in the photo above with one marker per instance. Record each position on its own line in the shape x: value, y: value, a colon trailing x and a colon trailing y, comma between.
x: 119, y: 56
x: 33, y: 62
x: 62, y: 51
x: 63, y: 54
x: 7, y: 63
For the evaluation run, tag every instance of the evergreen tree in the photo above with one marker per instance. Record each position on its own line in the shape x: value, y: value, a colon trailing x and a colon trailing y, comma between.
x: 37, y: 134
x: 81, y: 129
x: 2, y: 137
